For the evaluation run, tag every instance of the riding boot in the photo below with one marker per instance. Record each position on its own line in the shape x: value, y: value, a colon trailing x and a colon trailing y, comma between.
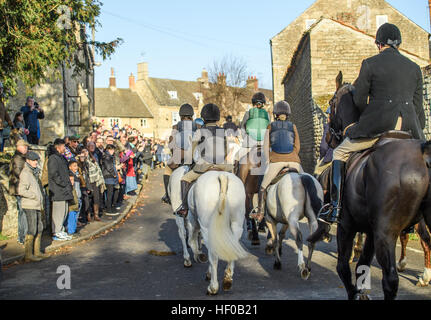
x: 28, y: 249
x: 337, y: 180
x: 183, y: 209
x: 325, y: 219
x: 37, y: 251
x: 96, y: 213
x: 166, y: 198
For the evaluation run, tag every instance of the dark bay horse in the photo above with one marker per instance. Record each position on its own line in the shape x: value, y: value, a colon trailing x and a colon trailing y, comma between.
x: 386, y: 191
x: 244, y: 171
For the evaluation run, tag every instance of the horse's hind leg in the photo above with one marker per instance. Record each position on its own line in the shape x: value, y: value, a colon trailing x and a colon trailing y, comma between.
x: 345, y: 245
x: 365, y: 260
x: 402, y: 263
x: 183, y: 234
x: 297, y: 235
x: 228, y: 276
x: 421, y: 229
x: 281, y: 237
x: 213, y: 286
x: 272, y: 231
x: 385, y: 254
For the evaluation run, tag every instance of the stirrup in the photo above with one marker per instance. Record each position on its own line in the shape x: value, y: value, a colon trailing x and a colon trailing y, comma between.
x: 326, y: 215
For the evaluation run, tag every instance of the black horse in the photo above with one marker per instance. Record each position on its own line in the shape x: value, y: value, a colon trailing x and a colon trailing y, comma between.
x: 386, y: 191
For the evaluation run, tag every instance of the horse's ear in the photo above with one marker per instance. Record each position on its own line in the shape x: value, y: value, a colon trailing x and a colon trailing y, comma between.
x: 339, y: 80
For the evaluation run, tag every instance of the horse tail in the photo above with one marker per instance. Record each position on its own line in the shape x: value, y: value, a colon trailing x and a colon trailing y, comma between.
x: 426, y: 152
x: 310, y: 190
x: 221, y: 238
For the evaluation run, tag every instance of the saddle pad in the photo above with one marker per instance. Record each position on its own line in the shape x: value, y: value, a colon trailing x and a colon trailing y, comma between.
x: 281, y: 175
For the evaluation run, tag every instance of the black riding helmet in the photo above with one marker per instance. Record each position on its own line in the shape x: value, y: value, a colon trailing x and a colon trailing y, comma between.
x: 388, y: 34
x: 282, y: 107
x: 210, y: 112
x: 186, y: 110
x: 258, y: 97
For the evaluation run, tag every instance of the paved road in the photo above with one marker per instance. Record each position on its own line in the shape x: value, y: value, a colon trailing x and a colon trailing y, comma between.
x: 119, y: 266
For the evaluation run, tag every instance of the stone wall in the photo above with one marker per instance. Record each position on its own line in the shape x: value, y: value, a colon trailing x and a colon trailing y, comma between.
x: 427, y: 101
x: 332, y: 51
x: 361, y: 14
x: 8, y: 207
x: 298, y: 95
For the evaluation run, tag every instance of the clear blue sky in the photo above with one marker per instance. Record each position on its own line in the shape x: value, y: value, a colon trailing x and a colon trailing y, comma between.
x: 179, y: 38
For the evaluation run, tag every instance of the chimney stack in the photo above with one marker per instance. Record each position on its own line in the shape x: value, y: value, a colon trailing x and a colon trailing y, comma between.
x: 204, y: 79
x: 253, y: 83
x: 132, y: 85
x: 143, y: 71
x: 112, y: 81
x: 221, y: 78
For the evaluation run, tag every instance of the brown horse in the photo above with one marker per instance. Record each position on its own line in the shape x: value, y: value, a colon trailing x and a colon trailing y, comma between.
x: 424, y: 235
x: 251, y: 180
x: 386, y: 191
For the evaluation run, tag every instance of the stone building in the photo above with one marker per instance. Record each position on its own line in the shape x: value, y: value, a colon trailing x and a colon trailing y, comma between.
x: 364, y: 15
x: 162, y: 98
x: 309, y: 81
x: 123, y: 107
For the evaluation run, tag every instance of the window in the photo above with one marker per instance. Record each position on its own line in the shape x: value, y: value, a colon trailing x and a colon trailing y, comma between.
x: 114, y: 121
x: 173, y: 94
x: 309, y: 23
x: 74, y: 108
x: 380, y: 20
x: 175, y: 117
x: 198, y: 95
x: 143, y: 123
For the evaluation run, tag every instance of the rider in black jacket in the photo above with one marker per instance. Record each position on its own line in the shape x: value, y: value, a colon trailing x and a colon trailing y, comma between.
x: 388, y: 94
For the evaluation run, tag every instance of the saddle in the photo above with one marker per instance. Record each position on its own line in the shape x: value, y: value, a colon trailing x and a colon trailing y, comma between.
x: 281, y: 175
x: 385, y: 138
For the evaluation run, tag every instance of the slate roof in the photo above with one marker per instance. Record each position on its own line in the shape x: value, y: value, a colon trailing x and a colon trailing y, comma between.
x: 121, y: 103
x: 184, y: 89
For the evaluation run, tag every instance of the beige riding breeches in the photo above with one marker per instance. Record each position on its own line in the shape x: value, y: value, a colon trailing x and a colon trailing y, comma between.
x: 275, y: 167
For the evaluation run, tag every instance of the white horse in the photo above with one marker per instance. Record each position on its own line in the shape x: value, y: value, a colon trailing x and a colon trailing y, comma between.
x: 288, y: 201
x: 216, y: 207
x: 174, y: 191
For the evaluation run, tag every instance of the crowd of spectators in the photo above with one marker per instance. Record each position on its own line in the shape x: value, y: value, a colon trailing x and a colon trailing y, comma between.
x: 82, y: 179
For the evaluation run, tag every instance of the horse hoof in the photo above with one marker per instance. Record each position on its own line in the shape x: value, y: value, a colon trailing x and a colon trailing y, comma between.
x: 208, y: 276
x: 255, y: 242
x: 401, y: 266
x: 305, y: 274
x: 269, y: 251
x: 277, y: 265
x: 327, y: 238
x: 187, y: 264
x: 421, y: 283
x: 362, y: 296
x: 227, y: 284
x: 202, y: 258
x: 211, y: 292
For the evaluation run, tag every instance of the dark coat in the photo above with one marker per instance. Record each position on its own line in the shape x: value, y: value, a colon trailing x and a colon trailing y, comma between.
x: 59, y: 184
x: 393, y: 84
x: 31, y: 118
x: 108, y: 167
x: 16, y: 166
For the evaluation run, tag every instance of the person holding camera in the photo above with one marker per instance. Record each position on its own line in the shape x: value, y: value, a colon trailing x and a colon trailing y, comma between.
x: 32, y: 113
